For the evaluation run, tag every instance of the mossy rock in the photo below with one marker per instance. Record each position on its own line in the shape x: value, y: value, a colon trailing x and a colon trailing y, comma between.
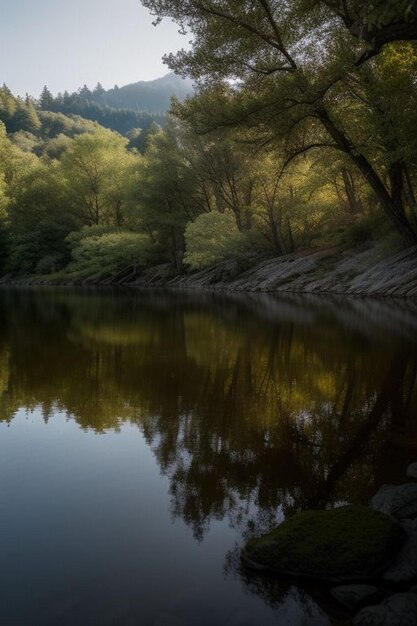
x: 346, y: 544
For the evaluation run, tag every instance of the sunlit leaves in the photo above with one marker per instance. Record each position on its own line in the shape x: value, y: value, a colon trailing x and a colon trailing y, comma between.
x: 211, y: 238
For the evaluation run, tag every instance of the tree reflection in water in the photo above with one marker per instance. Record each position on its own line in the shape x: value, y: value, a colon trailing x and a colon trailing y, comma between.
x: 254, y: 406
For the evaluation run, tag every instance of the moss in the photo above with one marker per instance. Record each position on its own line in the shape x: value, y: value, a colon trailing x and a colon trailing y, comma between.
x: 343, y: 544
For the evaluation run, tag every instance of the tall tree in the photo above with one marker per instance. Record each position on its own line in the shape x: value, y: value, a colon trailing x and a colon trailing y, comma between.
x: 96, y: 167
x: 46, y: 99
x: 99, y: 91
x: 287, y: 60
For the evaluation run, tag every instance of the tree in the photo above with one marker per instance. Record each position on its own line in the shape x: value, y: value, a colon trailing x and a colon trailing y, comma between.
x: 224, y: 174
x: 39, y: 220
x: 139, y: 138
x: 377, y: 23
x: 46, y: 99
x: 99, y: 91
x: 100, y: 174
x: 85, y: 92
x: 25, y: 118
x: 290, y: 60
x: 166, y: 194
x: 17, y: 114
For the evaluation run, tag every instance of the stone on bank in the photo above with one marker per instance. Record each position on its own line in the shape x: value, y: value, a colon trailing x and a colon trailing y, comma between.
x: 398, y: 610
x: 400, y: 501
x: 346, y: 544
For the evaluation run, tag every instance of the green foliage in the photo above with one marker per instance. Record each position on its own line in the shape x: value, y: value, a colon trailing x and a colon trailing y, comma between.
x: 17, y: 114
x: 118, y: 119
x: 211, y: 238
x: 100, y: 173
x: 98, y: 252
x: 26, y: 141
x: 38, y: 220
x: 140, y: 139
x: 300, y: 135
x: 89, y: 178
x: 55, y: 124
x: 303, y: 83
x: 56, y: 147
x: 122, y: 109
x: 385, y: 12
x: 46, y: 98
x: 166, y: 194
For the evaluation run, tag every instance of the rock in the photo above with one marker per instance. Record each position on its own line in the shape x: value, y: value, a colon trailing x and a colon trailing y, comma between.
x: 355, y: 596
x: 398, y: 610
x: 397, y: 500
x: 412, y: 470
x: 404, y: 569
x: 346, y: 544
x: 354, y: 272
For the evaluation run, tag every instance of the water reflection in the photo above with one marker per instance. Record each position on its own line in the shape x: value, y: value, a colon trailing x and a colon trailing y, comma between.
x: 253, y: 406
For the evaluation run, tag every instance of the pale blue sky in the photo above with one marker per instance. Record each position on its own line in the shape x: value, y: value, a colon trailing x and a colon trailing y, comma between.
x: 66, y: 43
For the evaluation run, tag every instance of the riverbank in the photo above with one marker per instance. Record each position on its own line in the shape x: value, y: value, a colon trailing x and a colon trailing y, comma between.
x: 357, y: 272
x: 369, y: 553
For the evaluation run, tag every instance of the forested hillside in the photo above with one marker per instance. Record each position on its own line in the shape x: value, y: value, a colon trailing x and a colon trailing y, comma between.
x: 153, y: 96
x: 138, y: 105
x: 301, y: 136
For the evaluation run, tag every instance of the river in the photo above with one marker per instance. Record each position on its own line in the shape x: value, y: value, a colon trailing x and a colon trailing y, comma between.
x: 144, y: 436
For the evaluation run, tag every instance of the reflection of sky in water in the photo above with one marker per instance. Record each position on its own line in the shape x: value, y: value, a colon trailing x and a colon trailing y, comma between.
x: 144, y: 437
x: 87, y: 536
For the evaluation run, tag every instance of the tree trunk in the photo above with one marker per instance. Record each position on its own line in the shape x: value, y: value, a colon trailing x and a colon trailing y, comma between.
x: 409, y: 192
x: 354, y: 202
x: 393, y: 209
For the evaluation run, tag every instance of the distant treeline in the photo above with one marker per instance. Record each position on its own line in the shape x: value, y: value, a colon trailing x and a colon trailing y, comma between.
x: 87, y: 104
x: 138, y: 105
x: 150, y: 96
x: 38, y: 126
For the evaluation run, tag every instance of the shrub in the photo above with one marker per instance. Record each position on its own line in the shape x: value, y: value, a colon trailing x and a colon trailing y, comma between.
x: 109, y: 252
x: 211, y: 238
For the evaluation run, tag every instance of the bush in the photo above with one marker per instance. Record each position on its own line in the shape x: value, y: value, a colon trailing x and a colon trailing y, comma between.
x: 211, y: 238
x: 99, y: 252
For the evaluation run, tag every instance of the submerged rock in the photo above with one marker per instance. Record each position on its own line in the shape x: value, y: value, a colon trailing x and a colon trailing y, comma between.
x: 397, y: 500
x: 404, y: 569
x: 398, y: 610
x: 355, y: 596
x: 340, y: 545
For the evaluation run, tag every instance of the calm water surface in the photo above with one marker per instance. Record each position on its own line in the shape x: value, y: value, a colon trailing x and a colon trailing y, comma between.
x: 144, y: 437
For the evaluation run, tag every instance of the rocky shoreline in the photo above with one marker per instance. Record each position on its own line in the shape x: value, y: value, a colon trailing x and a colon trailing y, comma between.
x: 352, y: 543
x: 358, y: 272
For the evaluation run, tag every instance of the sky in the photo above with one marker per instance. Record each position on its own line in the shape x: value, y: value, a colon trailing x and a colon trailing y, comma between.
x: 65, y: 44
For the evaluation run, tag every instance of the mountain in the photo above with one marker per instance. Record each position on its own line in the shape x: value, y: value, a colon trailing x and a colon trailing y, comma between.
x: 152, y: 96
x: 122, y: 109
